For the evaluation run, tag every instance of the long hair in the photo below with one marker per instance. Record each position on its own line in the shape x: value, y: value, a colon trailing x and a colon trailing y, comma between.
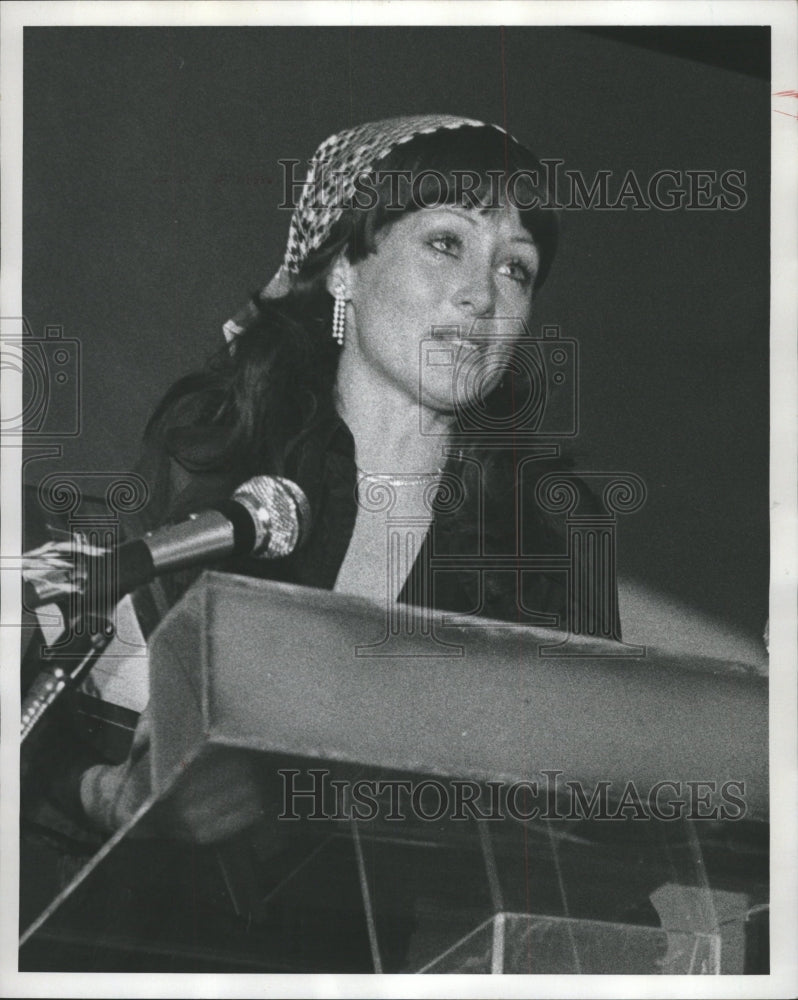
x: 266, y: 392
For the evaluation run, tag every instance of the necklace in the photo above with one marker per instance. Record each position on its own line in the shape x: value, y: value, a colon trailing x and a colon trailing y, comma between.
x: 400, y: 479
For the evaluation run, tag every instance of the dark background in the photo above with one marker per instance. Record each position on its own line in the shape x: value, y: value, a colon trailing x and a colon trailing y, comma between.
x: 150, y: 214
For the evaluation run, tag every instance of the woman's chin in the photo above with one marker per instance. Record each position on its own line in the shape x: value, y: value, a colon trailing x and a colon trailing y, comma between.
x: 454, y: 395
x: 439, y: 407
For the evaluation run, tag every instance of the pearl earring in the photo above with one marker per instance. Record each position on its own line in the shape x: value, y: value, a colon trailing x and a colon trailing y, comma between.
x: 339, y: 316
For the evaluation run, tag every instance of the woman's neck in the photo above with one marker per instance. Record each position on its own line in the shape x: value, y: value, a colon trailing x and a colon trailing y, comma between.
x: 386, y: 426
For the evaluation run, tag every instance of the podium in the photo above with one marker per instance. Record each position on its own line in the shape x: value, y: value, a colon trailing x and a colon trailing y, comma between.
x: 431, y: 782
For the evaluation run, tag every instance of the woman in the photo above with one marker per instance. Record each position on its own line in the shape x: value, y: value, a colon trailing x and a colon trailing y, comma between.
x: 411, y: 234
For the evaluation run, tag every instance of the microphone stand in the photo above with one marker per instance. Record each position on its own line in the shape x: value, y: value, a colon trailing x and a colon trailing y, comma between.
x: 66, y: 666
x: 108, y: 578
x: 87, y: 613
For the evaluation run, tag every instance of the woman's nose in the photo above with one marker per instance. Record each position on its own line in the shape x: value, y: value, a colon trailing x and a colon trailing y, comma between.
x: 477, y: 293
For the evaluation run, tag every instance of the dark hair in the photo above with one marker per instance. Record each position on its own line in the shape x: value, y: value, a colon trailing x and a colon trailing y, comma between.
x: 266, y: 391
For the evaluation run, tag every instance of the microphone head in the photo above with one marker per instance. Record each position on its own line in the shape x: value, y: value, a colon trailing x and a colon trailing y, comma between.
x: 280, y: 514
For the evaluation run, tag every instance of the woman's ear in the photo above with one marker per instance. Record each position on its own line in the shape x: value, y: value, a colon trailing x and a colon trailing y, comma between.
x: 339, y: 277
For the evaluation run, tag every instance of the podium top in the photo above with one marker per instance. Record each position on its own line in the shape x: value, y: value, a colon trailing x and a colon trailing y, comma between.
x: 314, y: 674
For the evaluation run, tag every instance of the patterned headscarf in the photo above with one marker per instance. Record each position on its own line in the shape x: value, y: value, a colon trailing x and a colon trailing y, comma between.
x: 330, y: 184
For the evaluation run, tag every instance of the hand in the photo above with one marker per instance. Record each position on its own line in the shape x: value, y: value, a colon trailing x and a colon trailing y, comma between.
x: 216, y: 797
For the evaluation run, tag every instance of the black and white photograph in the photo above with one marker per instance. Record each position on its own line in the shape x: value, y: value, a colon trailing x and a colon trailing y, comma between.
x: 398, y: 456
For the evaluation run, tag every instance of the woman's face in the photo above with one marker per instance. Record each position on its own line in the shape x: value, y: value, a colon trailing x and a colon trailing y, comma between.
x: 461, y: 277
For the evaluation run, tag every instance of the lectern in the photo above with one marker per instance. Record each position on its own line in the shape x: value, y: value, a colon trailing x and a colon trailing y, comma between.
x: 442, y: 794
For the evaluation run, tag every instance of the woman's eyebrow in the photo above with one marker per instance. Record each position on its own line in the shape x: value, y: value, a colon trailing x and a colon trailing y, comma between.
x: 467, y: 213
x: 463, y: 213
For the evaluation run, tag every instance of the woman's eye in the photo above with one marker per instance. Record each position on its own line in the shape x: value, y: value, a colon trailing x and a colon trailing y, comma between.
x: 445, y: 243
x: 518, y: 271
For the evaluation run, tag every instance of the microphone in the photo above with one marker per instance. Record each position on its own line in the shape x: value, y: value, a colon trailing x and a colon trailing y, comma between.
x: 267, y: 517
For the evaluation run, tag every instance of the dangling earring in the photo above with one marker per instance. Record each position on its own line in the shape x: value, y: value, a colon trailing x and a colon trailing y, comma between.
x: 339, y: 317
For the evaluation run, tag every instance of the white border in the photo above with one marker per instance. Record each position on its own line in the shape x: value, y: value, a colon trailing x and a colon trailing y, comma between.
x: 782, y: 15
